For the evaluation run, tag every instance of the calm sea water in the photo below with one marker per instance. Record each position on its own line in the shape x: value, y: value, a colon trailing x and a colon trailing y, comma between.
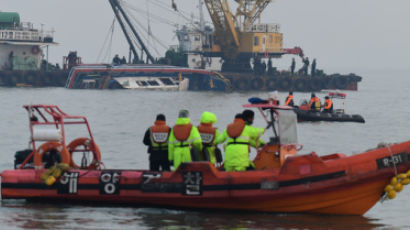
x: 119, y: 119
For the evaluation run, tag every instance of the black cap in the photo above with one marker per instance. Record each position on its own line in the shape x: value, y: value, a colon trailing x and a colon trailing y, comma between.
x: 290, y: 93
x: 313, y: 95
x: 183, y: 113
x: 248, y: 114
x: 160, y: 117
x: 238, y: 115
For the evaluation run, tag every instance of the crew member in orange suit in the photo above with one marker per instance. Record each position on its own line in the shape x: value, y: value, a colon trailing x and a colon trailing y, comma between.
x: 328, y: 106
x: 289, y: 99
x: 314, y: 103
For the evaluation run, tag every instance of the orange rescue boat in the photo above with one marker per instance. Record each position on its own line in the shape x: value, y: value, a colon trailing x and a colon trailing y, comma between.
x: 282, y: 181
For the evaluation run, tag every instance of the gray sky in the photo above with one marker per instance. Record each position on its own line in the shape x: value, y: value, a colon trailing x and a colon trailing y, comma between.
x: 343, y: 35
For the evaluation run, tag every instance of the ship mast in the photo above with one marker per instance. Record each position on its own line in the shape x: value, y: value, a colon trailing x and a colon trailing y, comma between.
x: 201, y: 16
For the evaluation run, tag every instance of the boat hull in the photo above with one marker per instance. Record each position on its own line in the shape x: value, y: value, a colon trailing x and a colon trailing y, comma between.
x: 332, y: 184
x: 33, y: 78
x: 285, y: 81
x: 307, y: 115
x: 144, y: 77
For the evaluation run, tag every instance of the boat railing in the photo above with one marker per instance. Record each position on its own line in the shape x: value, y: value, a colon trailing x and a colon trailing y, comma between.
x: 26, y: 34
x: 53, y: 117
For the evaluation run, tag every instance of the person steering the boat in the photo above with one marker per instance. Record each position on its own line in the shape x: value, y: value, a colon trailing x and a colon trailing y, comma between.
x: 328, y: 106
x: 314, y: 103
x: 156, y: 138
x: 208, y: 135
x: 241, y: 135
x: 184, y: 138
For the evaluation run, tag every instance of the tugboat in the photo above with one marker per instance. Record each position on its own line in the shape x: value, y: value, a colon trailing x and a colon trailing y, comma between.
x: 283, y: 181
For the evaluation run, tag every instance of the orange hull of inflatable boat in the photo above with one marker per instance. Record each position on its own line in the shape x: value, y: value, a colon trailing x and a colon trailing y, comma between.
x: 331, y: 184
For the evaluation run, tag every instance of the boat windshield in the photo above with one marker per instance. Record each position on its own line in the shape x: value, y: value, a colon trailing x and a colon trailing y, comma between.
x: 287, y: 121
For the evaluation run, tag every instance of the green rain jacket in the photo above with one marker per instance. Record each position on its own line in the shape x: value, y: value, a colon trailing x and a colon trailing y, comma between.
x: 237, y: 155
x: 179, y: 154
x: 210, y: 118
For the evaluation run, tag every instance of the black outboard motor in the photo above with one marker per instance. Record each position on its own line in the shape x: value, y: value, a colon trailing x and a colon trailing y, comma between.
x: 20, y: 156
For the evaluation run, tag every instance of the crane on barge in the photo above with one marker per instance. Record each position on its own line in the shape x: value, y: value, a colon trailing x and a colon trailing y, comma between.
x: 238, y: 38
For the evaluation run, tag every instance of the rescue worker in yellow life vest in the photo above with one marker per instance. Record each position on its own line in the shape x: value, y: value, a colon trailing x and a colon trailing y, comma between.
x: 208, y: 135
x: 314, y: 103
x: 184, y: 137
x: 241, y: 135
x: 328, y: 106
x: 289, y: 99
x: 156, y: 138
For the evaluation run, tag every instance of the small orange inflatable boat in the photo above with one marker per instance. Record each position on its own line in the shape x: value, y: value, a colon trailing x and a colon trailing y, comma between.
x: 282, y: 181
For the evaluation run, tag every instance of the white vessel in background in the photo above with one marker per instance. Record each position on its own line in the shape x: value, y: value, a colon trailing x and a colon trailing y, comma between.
x: 21, y: 45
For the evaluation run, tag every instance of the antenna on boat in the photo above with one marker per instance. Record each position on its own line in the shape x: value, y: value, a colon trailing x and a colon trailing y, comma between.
x: 30, y: 115
x: 30, y: 112
x: 201, y: 16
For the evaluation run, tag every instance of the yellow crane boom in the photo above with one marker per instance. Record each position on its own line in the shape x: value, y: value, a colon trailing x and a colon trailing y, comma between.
x: 250, y: 10
x: 237, y: 35
x: 224, y: 24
